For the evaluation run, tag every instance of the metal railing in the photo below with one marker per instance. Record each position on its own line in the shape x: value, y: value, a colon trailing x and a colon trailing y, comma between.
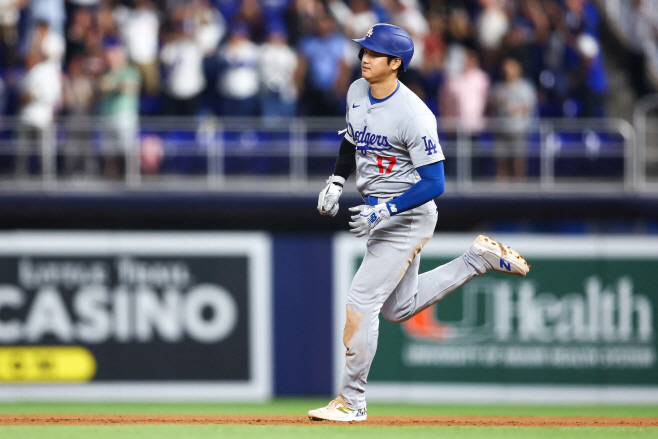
x: 293, y: 155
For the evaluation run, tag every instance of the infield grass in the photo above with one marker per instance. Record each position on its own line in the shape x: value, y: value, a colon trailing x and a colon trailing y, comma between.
x: 281, y: 432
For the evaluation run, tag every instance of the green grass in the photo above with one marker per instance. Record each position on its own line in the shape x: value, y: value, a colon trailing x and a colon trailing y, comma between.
x: 301, y: 406
x: 280, y: 432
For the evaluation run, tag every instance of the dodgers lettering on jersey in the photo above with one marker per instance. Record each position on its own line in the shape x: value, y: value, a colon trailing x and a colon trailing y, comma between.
x: 392, y: 139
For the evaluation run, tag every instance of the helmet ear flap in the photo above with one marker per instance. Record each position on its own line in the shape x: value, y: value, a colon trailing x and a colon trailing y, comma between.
x: 361, y: 52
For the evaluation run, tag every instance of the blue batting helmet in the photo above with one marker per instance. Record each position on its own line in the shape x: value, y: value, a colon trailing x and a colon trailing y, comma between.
x: 389, y: 40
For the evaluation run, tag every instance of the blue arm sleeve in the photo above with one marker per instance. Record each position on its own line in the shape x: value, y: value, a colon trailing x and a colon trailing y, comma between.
x: 430, y: 186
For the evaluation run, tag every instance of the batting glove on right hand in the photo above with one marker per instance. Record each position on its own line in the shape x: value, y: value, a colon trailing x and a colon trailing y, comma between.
x: 328, y: 199
x: 367, y: 217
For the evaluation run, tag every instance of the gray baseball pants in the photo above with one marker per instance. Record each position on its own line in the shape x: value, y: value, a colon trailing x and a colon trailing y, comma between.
x: 388, y: 281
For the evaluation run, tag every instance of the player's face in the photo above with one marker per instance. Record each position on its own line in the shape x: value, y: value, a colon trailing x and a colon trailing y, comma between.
x: 375, y: 66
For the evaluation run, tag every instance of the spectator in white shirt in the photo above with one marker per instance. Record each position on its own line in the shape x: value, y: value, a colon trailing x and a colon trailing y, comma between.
x: 239, y: 83
x: 139, y: 28
x: 41, y: 92
x: 515, y: 100
x: 40, y: 95
x: 182, y: 59
x: 491, y: 27
x: 492, y: 24
x: 279, y: 68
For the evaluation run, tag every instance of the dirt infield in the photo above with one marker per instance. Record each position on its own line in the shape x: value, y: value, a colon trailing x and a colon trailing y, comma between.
x: 476, y: 421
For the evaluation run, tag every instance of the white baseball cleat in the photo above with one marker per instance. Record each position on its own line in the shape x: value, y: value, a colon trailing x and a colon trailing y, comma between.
x: 337, y: 410
x: 501, y: 258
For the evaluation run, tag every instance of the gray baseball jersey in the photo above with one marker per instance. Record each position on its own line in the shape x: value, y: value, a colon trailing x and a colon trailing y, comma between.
x: 393, y: 138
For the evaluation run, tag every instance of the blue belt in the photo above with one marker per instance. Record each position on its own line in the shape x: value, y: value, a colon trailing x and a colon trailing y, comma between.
x: 373, y: 201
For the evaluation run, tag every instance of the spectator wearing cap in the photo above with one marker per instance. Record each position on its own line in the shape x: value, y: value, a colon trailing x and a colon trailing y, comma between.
x: 515, y: 102
x: 182, y: 60
x: 279, y: 73
x: 239, y: 83
x: 325, y: 67
x: 119, y: 89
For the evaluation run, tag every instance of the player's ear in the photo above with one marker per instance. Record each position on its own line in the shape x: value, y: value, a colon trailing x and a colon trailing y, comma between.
x: 396, y: 65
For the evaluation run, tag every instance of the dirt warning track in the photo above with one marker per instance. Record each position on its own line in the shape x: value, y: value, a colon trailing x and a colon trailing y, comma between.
x: 444, y: 421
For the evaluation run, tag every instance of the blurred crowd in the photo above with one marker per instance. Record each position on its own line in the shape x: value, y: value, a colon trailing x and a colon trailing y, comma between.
x: 122, y: 58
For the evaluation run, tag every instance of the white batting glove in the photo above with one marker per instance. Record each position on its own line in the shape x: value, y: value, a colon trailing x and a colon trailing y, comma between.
x: 328, y: 199
x: 367, y: 217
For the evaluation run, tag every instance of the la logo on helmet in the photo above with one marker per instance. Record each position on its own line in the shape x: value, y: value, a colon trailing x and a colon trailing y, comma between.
x: 369, y: 34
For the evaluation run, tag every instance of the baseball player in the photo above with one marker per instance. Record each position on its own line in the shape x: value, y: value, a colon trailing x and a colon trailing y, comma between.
x: 392, y: 142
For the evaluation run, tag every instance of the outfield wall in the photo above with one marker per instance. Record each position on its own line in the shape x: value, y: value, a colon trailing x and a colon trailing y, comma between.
x: 135, y: 315
x: 579, y: 328
x: 246, y: 316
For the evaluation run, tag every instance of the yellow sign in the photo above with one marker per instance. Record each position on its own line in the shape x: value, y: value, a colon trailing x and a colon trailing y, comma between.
x: 31, y: 364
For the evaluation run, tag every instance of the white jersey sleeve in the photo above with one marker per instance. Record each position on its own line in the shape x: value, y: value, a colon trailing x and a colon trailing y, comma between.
x: 422, y: 140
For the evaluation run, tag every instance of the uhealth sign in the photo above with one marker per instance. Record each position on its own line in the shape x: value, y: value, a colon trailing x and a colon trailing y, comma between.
x: 580, y: 326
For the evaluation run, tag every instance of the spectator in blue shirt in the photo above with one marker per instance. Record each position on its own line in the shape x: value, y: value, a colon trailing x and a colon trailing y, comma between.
x: 327, y: 72
x: 584, y: 57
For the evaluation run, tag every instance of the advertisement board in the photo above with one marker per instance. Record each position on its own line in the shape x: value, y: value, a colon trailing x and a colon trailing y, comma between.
x: 135, y: 315
x: 580, y: 327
